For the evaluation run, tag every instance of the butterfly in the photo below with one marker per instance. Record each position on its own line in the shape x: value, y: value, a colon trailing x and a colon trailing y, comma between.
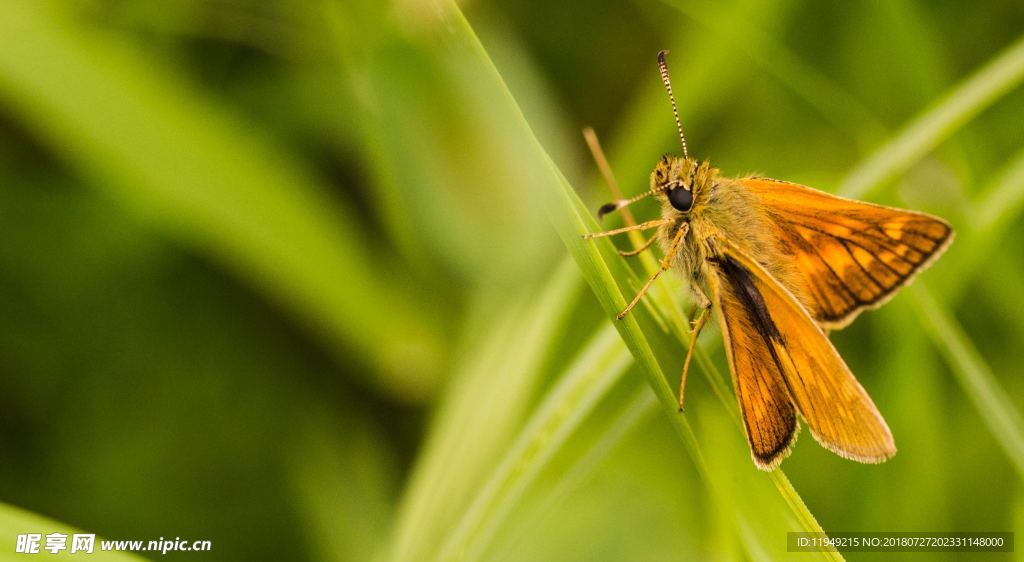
x: 781, y: 264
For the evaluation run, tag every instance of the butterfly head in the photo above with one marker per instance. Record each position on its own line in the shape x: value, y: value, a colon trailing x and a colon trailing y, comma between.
x: 682, y: 181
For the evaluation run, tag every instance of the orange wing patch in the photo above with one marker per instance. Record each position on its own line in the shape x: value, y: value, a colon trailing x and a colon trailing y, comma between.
x: 849, y: 255
x: 838, y: 411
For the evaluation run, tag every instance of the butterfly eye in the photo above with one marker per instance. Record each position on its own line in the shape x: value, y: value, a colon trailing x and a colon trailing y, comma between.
x: 681, y: 198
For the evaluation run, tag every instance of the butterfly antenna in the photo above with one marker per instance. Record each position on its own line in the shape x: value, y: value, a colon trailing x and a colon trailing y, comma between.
x: 620, y: 203
x: 668, y: 86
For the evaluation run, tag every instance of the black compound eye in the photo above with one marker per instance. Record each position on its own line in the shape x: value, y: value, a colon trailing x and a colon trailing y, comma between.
x: 680, y: 198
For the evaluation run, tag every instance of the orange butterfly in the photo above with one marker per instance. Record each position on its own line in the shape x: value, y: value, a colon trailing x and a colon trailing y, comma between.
x: 781, y: 263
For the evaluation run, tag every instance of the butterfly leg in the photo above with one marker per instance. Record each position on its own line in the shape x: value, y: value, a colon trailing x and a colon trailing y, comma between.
x: 666, y: 262
x: 642, y: 226
x: 638, y: 251
x: 698, y: 325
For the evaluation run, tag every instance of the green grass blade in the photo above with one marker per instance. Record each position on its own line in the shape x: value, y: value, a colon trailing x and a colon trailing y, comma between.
x: 926, y: 131
x: 638, y: 407
x: 481, y: 411
x: 975, y: 377
x: 15, y: 521
x: 567, y: 405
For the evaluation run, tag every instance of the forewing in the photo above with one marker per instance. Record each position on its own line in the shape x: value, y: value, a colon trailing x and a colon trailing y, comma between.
x: 848, y: 255
x: 769, y: 416
x: 838, y: 411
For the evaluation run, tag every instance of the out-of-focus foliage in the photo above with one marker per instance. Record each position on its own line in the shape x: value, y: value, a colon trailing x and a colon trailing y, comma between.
x: 292, y: 276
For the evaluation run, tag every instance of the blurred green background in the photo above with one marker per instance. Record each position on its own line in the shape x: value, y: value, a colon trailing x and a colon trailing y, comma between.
x: 292, y: 276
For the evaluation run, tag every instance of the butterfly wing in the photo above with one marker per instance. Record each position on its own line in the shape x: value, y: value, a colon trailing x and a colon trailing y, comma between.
x: 769, y: 416
x: 848, y: 255
x: 778, y: 352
